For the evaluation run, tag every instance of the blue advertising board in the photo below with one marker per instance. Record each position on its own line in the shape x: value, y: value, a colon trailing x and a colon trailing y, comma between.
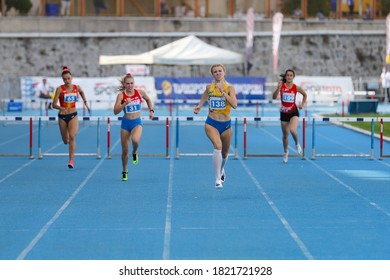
x: 190, y: 88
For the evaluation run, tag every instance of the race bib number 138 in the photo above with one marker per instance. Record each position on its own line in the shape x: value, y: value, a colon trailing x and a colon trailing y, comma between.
x: 217, y: 103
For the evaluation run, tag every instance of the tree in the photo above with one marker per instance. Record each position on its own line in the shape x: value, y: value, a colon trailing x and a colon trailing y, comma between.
x: 313, y: 7
x: 23, y: 6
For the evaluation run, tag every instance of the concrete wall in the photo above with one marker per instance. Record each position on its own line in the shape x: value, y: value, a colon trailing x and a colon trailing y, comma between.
x: 36, y: 47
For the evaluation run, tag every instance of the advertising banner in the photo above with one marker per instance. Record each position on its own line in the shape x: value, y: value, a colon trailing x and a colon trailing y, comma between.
x: 189, y: 88
x: 100, y: 92
x: 326, y: 89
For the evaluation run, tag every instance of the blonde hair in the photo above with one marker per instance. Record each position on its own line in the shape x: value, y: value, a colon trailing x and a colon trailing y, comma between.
x: 122, y: 81
x: 217, y: 65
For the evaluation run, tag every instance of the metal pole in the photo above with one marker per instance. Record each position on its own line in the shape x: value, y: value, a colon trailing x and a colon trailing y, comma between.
x: 245, y: 157
x: 372, y: 139
x: 235, y: 139
x: 39, y: 140
x: 158, y: 14
x: 98, y: 139
x: 43, y: 5
x: 177, y: 138
x: 196, y: 8
x: 313, y: 150
x: 108, y: 138
x: 3, y: 7
x: 31, y: 138
x: 339, y: 9
x: 381, y: 141
x: 304, y: 9
x: 269, y: 9
x: 232, y: 8
x: 167, y: 137
x: 82, y: 8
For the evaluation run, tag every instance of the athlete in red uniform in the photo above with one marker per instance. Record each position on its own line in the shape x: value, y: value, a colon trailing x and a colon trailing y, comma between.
x: 289, y: 114
x: 67, y: 95
x: 129, y: 101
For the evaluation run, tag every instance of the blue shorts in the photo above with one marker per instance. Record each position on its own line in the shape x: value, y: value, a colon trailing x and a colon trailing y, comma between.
x: 67, y: 118
x: 128, y: 124
x: 220, y: 126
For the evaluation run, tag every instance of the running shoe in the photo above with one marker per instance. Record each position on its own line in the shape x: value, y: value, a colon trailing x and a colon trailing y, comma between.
x: 135, y: 159
x: 124, y: 176
x: 218, y: 185
x: 223, y: 176
x: 285, y: 157
x: 299, y: 149
x: 70, y: 164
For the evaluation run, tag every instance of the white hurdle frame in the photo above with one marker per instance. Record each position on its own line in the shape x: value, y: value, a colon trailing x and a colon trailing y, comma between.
x: 167, y: 120
x: 27, y: 118
x: 41, y: 154
x: 264, y: 119
x: 337, y: 120
x: 179, y: 154
x: 382, y: 138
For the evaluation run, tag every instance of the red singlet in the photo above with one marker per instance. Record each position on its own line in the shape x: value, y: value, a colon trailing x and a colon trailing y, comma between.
x: 68, y: 99
x: 288, y: 97
x: 134, y: 106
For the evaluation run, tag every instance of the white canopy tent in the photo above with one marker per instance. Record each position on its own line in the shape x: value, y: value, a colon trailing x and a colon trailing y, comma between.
x: 189, y: 50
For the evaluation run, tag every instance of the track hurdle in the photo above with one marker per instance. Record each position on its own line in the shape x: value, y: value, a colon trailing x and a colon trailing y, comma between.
x: 264, y: 119
x: 339, y: 121
x: 191, y: 119
x: 382, y: 129
x: 41, y: 154
x: 166, y: 155
x: 30, y: 119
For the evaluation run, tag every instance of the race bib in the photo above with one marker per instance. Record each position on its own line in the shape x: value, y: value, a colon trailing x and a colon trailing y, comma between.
x: 288, y: 97
x: 132, y: 108
x: 70, y: 98
x: 217, y: 103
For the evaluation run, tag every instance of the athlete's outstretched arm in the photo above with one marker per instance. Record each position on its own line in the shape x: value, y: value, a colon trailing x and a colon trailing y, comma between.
x: 277, y: 90
x: 231, y: 97
x: 202, y: 100
x: 304, y: 94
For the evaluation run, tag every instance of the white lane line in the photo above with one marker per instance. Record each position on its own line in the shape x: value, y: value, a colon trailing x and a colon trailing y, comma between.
x: 31, y: 161
x: 16, y: 138
x: 351, y: 189
x: 283, y: 220
x: 342, y: 183
x: 17, y: 170
x: 45, y: 228
x: 168, y: 215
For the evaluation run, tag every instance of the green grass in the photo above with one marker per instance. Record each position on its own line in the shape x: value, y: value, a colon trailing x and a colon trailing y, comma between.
x: 367, y: 125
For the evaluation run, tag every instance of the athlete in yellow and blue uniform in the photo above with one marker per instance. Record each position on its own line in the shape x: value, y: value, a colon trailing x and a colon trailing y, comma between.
x: 221, y: 97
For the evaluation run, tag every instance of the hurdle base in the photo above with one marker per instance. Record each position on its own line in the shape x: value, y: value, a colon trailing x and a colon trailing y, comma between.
x: 109, y: 156
x: 17, y: 155
x: 383, y: 157
x: 66, y: 154
x: 275, y: 155
x: 198, y: 155
x: 342, y: 155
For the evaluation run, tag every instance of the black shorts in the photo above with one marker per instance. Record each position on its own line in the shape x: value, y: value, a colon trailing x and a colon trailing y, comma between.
x: 67, y: 118
x: 286, y: 117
